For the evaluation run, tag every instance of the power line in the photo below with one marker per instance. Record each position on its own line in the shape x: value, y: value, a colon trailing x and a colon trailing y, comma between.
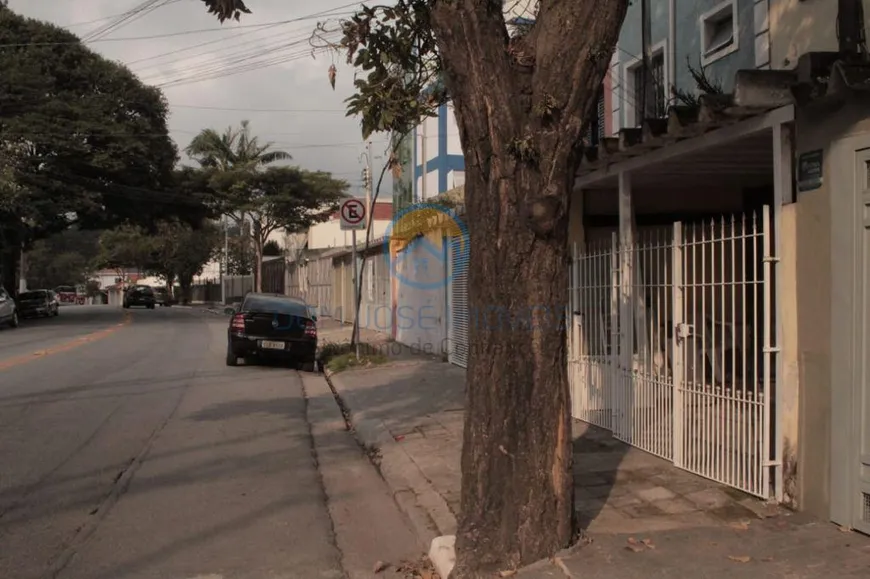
x: 243, y: 110
x: 126, y: 18
x: 225, y: 66
x: 217, y: 72
x: 284, y: 145
x: 231, y: 53
x: 104, y: 18
x: 330, y: 12
x: 176, y: 34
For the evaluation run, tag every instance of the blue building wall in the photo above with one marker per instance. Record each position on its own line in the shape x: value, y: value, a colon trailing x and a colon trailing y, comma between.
x: 443, y: 152
x: 687, y: 43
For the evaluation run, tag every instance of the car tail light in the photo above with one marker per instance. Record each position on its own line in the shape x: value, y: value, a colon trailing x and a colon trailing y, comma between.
x: 310, y: 329
x: 238, y: 323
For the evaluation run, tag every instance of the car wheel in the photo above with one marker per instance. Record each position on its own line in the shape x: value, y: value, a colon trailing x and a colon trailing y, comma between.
x: 13, y: 323
x: 309, y: 366
x: 151, y: 307
x: 232, y: 359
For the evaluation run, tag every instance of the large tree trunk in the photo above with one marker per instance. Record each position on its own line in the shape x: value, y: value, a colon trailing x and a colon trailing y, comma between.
x: 521, y: 108
x: 517, y: 489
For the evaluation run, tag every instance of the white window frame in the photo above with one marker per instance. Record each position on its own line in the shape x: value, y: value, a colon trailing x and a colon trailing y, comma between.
x: 735, y: 25
x: 615, y: 94
x: 627, y: 104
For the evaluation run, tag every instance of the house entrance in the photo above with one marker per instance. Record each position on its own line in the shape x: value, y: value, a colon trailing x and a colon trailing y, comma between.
x: 672, y: 346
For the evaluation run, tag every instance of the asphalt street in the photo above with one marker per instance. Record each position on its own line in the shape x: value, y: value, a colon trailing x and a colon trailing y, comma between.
x: 129, y: 450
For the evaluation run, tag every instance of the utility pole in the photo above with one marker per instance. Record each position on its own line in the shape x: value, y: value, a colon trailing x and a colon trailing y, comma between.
x: 368, y: 184
x: 225, y: 261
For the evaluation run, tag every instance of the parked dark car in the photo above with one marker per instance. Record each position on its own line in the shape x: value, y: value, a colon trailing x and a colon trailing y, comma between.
x: 140, y: 295
x: 162, y: 297
x: 8, y: 309
x: 272, y: 326
x: 38, y: 304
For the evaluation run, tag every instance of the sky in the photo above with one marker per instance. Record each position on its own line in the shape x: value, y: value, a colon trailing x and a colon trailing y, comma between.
x: 214, y: 76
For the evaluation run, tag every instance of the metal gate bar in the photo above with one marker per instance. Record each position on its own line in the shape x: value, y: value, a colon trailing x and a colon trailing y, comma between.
x: 695, y: 384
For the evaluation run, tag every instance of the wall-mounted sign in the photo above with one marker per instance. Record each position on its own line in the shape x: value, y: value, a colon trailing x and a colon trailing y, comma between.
x: 809, y: 170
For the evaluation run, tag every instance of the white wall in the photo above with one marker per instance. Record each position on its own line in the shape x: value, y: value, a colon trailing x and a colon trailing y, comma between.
x: 329, y: 234
x: 421, y: 301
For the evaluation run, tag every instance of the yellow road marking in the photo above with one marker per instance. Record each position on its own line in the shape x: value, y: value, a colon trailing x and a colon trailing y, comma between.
x: 66, y: 346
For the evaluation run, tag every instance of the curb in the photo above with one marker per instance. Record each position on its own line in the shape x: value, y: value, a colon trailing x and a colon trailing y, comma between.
x: 417, y: 499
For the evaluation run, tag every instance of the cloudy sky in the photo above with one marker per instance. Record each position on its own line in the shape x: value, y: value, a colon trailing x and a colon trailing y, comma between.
x: 214, y: 75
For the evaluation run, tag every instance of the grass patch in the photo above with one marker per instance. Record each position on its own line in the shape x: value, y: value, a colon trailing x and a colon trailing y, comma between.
x: 338, y: 357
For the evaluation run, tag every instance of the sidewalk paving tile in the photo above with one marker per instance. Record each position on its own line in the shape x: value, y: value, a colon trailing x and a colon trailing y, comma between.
x: 694, y: 527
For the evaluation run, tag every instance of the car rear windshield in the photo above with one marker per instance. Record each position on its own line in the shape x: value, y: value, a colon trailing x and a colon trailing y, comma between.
x: 31, y: 295
x: 275, y: 306
x: 142, y: 288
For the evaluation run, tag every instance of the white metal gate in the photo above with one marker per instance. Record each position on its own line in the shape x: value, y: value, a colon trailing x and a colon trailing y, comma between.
x: 457, y: 331
x: 672, y: 348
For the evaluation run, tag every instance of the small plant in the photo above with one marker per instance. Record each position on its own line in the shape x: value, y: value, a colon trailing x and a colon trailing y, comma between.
x: 703, y: 84
x: 523, y: 150
x: 341, y: 356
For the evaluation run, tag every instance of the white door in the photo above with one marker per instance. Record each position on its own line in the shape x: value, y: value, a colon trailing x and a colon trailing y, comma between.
x: 861, y: 432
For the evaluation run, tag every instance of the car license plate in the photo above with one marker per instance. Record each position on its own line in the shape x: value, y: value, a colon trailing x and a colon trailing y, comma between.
x: 266, y: 344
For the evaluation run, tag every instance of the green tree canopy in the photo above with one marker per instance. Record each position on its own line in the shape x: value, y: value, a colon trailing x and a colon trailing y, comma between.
x: 66, y: 258
x: 277, y: 198
x: 82, y: 140
x: 174, y: 251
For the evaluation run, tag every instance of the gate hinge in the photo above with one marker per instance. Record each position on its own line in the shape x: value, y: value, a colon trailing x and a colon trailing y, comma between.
x: 772, y: 463
x: 770, y: 259
x: 771, y: 350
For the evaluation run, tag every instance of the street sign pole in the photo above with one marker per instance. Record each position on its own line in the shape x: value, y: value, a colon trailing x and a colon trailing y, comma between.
x: 355, y: 294
x: 353, y: 217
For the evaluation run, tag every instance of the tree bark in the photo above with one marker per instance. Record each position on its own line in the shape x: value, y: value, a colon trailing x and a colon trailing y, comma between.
x: 521, y: 108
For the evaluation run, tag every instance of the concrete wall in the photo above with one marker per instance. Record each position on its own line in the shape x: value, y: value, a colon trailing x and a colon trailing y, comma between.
x: 376, y: 308
x: 823, y: 271
x: 801, y: 26
x: 421, y: 298
x: 329, y: 234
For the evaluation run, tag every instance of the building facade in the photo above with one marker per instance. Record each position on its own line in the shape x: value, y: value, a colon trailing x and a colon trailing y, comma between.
x: 721, y: 249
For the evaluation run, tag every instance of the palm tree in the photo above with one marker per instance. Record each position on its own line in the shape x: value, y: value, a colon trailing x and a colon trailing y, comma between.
x: 235, y: 150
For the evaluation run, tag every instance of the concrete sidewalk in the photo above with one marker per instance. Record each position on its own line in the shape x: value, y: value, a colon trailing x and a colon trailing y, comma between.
x: 642, y: 515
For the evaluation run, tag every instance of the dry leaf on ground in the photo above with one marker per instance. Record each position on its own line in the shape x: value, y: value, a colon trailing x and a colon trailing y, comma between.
x: 506, y: 573
x: 740, y: 558
x: 740, y: 526
x: 379, y: 566
x: 648, y: 543
x: 635, y: 548
x: 420, y: 569
x: 632, y: 541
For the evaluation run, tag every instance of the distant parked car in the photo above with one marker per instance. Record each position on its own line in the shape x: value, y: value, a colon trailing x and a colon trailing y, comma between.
x: 8, y: 309
x: 270, y: 326
x: 38, y: 304
x: 140, y: 295
x: 162, y: 297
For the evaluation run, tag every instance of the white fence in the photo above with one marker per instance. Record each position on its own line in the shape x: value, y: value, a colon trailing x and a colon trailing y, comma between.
x: 672, y: 349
